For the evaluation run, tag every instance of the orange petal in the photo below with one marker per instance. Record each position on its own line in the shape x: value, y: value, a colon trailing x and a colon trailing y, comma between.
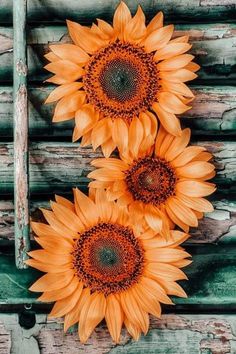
x: 166, y: 144
x: 108, y: 147
x: 147, y: 301
x: 50, y: 258
x: 171, y: 50
x: 192, y: 67
x: 41, y: 229
x: 86, y: 207
x: 165, y: 271
x: 120, y: 134
x: 55, y: 245
x: 186, y: 156
x: 158, y: 38
x: 185, y: 214
x: 101, y: 133
x: 176, y: 220
x: 103, y: 174
x: 114, y: 317
x: 168, y: 120
x: 67, y: 217
x: 121, y: 17
x: 51, y: 57
x: 175, y: 63
x: 199, y: 204
x: 73, y: 316
x: 91, y: 315
x: 135, y: 136
x: 135, y: 29
x: 181, y: 75
x: 46, y: 267
x: 106, y: 28
x: 153, y: 218
x: 56, y: 79
x: 49, y: 282
x: 171, y: 103
x: 180, y: 39
x: 85, y: 119
x: 165, y: 255
x: 65, y: 69
x: 151, y: 286
x: 63, y: 306
x: 58, y: 226
x: 173, y: 288
x: 178, y: 145
x: 177, y: 88
x: 59, y: 294
x: 111, y: 163
x: 70, y: 52
x: 155, y: 23
x: 63, y: 201
x: 195, y: 169
x: 195, y: 188
x: 63, y: 90
x: 68, y: 105
x: 84, y: 38
x: 133, y: 330
x: 133, y: 311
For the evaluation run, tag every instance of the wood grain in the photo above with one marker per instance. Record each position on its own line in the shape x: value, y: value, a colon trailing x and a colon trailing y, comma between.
x: 175, y: 10
x: 213, y: 112
x: 213, y: 46
x: 56, y: 167
x: 216, y: 227
x: 173, y: 333
x: 20, y: 119
x: 211, y: 281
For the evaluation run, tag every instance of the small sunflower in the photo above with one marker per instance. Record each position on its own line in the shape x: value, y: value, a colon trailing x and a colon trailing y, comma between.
x: 113, y: 74
x: 99, y: 266
x: 164, y: 184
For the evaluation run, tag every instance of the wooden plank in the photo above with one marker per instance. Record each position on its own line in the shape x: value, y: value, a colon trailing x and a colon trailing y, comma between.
x: 213, y: 45
x: 216, y: 227
x: 175, y: 10
x: 189, y: 333
x: 213, y: 112
x: 20, y: 118
x: 211, y: 281
x: 56, y: 167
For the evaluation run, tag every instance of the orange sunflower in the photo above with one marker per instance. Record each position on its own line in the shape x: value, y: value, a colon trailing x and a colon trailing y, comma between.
x: 113, y: 74
x: 101, y: 266
x: 164, y: 184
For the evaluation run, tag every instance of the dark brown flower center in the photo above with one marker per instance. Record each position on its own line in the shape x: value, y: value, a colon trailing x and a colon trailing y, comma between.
x: 121, y: 80
x: 108, y: 258
x: 151, y: 180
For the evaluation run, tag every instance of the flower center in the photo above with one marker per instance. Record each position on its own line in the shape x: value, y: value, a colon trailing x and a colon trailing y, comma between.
x: 151, y: 180
x: 108, y: 258
x: 121, y: 80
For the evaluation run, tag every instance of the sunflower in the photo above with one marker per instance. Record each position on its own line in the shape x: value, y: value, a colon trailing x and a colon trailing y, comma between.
x: 113, y: 74
x: 164, y: 184
x: 101, y: 266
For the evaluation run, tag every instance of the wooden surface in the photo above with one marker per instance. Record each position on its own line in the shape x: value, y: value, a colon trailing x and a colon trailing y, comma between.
x: 185, y: 334
x: 56, y: 167
x: 175, y: 10
x: 214, y: 111
x: 213, y: 45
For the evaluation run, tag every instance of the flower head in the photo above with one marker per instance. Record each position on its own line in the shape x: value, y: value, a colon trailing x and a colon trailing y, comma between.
x: 165, y: 184
x: 99, y: 265
x: 112, y: 75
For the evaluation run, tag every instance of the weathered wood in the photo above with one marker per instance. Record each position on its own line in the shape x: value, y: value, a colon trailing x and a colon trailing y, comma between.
x: 20, y: 117
x: 173, y: 334
x: 216, y: 227
x: 211, y: 278
x: 56, y: 167
x: 213, y: 112
x: 213, y: 45
x: 175, y: 10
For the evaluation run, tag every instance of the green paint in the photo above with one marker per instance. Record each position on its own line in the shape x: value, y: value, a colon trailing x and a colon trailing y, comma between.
x: 175, y: 10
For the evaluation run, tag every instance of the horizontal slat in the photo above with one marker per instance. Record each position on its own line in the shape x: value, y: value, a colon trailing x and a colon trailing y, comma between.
x: 219, y: 226
x: 189, y: 333
x: 213, y: 45
x: 213, y: 112
x: 59, y: 166
x: 211, y: 278
x: 175, y: 10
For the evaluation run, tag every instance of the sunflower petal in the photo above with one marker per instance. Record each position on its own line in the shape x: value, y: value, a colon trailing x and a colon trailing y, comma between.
x: 70, y: 52
x: 49, y: 282
x: 158, y: 38
x: 168, y: 120
x: 171, y: 50
x: 195, y: 188
x: 114, y: 317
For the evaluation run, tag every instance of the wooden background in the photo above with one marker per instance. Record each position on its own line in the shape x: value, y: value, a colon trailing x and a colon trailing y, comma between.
x: 205, y: 322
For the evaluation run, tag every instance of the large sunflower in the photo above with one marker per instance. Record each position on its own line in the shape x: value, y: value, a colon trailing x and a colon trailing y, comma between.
x: 113, y: 74
x: 162, y: 184
x: 99, y: 265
